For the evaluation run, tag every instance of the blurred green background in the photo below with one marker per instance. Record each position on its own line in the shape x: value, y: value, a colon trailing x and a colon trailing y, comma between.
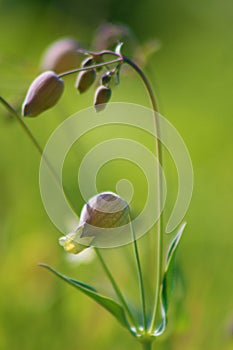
x: 192, y: 73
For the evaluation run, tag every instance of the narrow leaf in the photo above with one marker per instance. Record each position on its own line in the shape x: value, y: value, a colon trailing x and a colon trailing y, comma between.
x: 168, y: 278
x: 81, y: 284
x: 109, y: 304
x: 174, y: 244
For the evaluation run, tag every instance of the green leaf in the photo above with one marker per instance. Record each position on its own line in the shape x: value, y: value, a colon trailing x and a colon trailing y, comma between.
x: 168, y: 282
x: 174, y: 244
x: 109, y: 304
x: 168, y: 278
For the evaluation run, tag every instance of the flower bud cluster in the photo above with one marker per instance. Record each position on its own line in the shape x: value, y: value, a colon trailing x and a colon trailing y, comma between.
x: 47, y: 88
x: 87, y: 78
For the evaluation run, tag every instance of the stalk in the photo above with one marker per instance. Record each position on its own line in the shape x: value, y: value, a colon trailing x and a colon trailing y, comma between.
x: 117, y: 60
x: 158, y: 149
x: 147, y: 346
x: 35, y: 143
x: 116, y: 288
x: 140, y: 279
x: 22, y: 124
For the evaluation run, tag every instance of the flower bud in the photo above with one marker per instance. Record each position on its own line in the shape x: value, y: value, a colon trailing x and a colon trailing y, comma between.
x: 105, y: 210
x: 85, y: 79
x: 62, y: 56
x: 102, y: 96
x: 106, y: 78
x: 43, y: 93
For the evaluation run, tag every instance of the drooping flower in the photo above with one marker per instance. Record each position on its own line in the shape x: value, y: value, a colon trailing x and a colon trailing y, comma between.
x: 107, y: 211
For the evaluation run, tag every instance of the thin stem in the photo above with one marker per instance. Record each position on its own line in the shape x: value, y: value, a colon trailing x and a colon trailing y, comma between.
x: 35, y: 143
x: 19, y: 120
x: 119, y: 59
x: 158, y: 146
x: 115, y: 287
x: 140, y: 279
x: 98, y: 53
x: 147, y: 346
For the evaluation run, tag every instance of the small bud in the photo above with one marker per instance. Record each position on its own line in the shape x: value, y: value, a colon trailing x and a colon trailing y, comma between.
x: 106, y: 78
x: 85, y: 79
x: 61, y: 56
x: 43, y: 93
x: 105, y: 210
x: 102, y: 96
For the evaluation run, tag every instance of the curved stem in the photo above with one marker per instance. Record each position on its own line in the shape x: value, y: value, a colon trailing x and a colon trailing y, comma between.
x: 140, y: 279
x: 19, y: 120
x: 159, y: 188
x: 116, y: 288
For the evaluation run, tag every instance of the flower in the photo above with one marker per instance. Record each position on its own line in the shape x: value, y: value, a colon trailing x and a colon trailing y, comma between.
x: 105, y: 210
x: 71, y: 242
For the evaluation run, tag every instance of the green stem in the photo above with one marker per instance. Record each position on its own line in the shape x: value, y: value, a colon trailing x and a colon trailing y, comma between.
x: 140, y: 279
x: 147, y: 346
x: 19, y: 120
x: 117, y: 60
x: 115, y: 287
x: 35, y: 143
x: 158, y: 146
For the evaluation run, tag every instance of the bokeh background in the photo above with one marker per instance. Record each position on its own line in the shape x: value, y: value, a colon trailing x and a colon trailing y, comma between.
x: 192, y: 73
